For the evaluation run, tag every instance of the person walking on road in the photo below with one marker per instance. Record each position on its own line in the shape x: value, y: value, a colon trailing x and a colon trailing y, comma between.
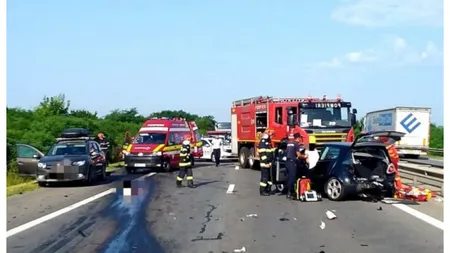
x: 185, y: 164
x: 217, y: 145
x: 265, y: 152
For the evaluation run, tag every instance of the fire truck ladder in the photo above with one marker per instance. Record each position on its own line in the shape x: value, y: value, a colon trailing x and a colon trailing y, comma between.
x: 265, y: 99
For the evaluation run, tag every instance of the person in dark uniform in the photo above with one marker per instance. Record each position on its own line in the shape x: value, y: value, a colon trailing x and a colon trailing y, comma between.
x: 104, y: 145
x: 185, y: 164
x: 302, y: 161
x: 265, y: 152
x: 292, y: 153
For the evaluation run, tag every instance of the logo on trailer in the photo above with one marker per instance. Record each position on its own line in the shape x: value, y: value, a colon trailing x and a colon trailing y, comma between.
x: 410, y: 123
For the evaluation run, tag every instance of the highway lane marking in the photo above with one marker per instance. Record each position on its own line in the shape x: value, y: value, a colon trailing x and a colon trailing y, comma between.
x: 64, y: 210
x: 230, y: 189
x: 428, y: 219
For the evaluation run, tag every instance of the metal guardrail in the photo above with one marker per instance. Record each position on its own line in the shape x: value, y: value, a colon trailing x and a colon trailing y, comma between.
x: 423, y: 174
x: 436, y: 151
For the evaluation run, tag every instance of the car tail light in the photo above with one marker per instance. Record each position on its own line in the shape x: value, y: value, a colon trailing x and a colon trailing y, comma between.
x: 390, y: 169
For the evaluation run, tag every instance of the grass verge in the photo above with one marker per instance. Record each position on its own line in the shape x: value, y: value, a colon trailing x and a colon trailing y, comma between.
x: 114, y: 166
x: 16, y: 184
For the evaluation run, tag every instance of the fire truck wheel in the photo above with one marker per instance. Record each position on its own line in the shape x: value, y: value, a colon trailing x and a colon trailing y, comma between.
x: 280, y: 187
x: 251, y: 159
x: 243, y: 157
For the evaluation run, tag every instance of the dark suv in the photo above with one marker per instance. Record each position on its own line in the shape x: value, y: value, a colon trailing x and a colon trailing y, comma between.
x: 74, y: 157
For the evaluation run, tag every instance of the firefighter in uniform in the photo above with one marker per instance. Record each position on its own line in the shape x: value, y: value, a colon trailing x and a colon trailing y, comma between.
x: 265, y: 152
x: 185, y: 164
x: 292, y: 153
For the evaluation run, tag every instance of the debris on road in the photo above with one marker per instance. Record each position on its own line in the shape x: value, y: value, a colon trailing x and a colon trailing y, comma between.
x: 330, y: 215
x: 380, y: 208
x: 438, y: 199
x: 322, y: 225
x: 390, y: 201
x: 242, y: 250
x: 254, y: 215
x: 295, y: 218
x: 284, y: 219
x: 364, y: 245
x: 237, y: 167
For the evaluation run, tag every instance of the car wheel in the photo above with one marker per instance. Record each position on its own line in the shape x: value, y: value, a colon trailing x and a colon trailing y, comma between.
x: 42, y: 184
x: 166, y: 166
x: 88, y: 180
x: 334, y: 189
x: 129, y: 170
x: 213, y: 158
x: 103, y: 175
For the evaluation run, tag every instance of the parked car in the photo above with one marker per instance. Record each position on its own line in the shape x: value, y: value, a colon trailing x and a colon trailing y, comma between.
x: 225, y: 151
x: 349, y: 169
x: 74, y: 157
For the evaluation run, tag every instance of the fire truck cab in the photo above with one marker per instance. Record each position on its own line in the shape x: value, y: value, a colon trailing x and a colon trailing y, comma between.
x: 327, y: 120
x: 158, y: 144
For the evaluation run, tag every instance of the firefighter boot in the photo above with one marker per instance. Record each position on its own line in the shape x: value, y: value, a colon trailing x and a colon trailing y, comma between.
x: 190, y: 184
x: 179, y: 184
x: 263, y: 191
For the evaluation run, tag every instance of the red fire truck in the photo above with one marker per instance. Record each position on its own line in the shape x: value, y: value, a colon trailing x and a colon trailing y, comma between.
x: 158, y: 144
x: 326, y: 119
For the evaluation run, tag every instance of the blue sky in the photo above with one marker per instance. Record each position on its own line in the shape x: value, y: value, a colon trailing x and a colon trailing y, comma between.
x: 199, y: 56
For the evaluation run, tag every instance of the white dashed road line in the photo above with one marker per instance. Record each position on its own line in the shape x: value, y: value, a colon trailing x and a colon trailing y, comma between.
x: 419, y: 215
x: 64, y: 210
x: 230, y: 189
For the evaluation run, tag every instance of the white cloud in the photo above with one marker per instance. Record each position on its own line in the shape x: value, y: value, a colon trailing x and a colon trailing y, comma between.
x: 392, y: 51
x: 379, y: 13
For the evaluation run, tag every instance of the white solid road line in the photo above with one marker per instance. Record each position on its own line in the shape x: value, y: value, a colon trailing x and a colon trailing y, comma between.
x: 64, y: 210
x: 50, y: 216
x: 230, y: 189
x: 428, y: 219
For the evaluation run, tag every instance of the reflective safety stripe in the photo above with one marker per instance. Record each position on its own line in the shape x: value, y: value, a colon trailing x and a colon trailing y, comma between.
x: 190, y: 178
x: 271, y: 150
x: 179, y: 179
x: 184, y: 149
x: 185, y: 164
x: 260, y: 150
x: 269, y: 183
x: 397, y: 178
x: 265, y: 165
x: 182, y: 154
x: 262, y: 184
x: 264, y: 157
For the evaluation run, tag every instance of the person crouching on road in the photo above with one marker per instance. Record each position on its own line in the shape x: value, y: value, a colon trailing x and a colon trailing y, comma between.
x: 265, y: 152
x: 292, y: 153
x: 217, y: 145
x: 185, y: 164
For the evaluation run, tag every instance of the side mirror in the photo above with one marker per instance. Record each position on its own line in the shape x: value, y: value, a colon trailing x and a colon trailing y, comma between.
x: 207, y: 145
x: 36, y: 156
x: 354, y: 111
x: 353, y: 119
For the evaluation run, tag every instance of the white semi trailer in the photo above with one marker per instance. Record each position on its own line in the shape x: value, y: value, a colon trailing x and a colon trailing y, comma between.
x: 413, y: 121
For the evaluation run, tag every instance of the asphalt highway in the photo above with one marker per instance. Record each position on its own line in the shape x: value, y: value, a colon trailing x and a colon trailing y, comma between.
x: 223, y: 214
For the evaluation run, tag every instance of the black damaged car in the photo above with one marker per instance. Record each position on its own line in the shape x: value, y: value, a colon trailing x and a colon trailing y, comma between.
x: 74, y: 157
x: 360, y: 168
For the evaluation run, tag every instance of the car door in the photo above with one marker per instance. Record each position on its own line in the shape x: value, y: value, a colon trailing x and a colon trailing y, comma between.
x: 207, y: 149
x: 100, y: 160
x: 328, y: 157
x: 27, y: 159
